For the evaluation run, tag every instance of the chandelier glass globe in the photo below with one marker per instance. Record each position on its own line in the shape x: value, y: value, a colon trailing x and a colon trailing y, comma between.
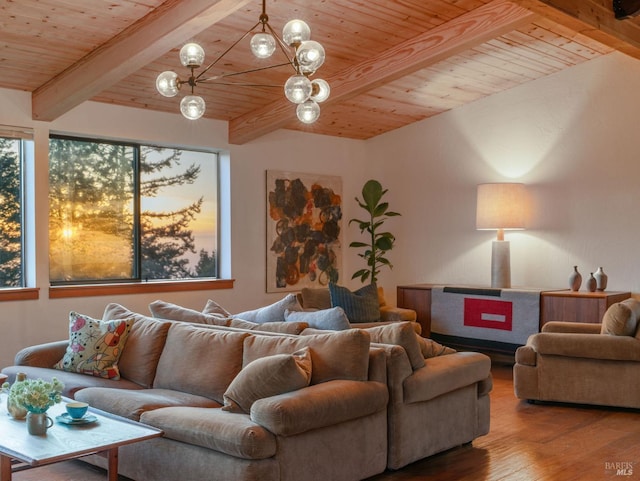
x: 297, y: 89
x: 263, y: 45
x: 320, y: 90
x: 310, y: 55
x: 192, y: 107
x: 308, y: 112
x: 167, y: 83
x: 192, y: 55
x: 295, y: 32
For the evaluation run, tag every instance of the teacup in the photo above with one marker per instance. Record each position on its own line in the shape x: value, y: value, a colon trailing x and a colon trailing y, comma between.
x: 77, y: 409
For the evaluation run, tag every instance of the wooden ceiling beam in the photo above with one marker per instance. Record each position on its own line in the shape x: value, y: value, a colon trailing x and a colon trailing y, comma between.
x: 169, y: 25
x: 470, y: 29
x: 592, y: 18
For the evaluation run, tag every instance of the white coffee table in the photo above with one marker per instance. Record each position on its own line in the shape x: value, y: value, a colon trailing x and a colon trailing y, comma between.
x: 21, y: 450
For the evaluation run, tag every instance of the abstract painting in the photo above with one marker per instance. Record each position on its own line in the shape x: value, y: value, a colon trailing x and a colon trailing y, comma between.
x: 304, y: 220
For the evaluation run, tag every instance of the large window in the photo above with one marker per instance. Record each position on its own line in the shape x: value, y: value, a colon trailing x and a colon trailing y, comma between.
x: 122, y: 211
x: 12, y: 152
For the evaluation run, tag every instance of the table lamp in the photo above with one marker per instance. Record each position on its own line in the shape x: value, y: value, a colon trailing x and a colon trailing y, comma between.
x: 500, y: 207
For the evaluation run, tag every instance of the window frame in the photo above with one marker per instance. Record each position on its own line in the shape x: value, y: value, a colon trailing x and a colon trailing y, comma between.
x: 137, y: 283
x: 21, y: 136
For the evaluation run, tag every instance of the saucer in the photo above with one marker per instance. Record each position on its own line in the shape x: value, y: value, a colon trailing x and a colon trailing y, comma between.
x: 66, y: 419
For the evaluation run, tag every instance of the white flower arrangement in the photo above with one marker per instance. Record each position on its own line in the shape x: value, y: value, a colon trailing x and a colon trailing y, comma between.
x: 35, y: 395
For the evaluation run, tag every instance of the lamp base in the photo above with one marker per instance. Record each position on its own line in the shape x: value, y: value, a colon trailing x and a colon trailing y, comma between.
x: 500, y: 264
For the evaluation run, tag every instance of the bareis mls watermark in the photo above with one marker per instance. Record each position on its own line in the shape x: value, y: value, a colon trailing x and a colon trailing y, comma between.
x: 619, y: 468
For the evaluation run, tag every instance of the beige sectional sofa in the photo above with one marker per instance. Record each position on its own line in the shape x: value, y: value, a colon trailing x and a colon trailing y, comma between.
x: 584, y: 363
x: 368, y: 406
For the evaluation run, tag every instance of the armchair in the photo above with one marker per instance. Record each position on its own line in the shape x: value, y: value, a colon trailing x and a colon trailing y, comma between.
x: 584, y: 363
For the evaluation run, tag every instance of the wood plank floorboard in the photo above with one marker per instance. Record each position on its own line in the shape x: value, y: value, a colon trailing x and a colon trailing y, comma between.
x: 527, y: 442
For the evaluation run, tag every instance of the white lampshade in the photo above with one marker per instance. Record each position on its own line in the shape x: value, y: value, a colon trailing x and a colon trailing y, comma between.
x: 263, y: 45
x: 192, y: 55
x: 320, y: 90
x: 167, y: 83
x: 500, y: 206
x: 295, y: 31
x: 308, y: 112
x: 297, y: 88
x: 310, y: 55
x: 192, y: 107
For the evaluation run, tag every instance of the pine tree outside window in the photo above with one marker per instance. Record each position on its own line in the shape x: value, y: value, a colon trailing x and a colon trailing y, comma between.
x: 129, y: 212
x: 12, y: 152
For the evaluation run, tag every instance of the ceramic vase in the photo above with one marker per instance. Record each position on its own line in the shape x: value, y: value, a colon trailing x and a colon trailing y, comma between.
x: 601, y: 279
x: 591, y: 283
x: 38, y: 423
x: 575, y: 279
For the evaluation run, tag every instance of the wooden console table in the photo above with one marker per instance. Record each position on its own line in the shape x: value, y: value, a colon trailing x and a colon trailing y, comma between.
x: 561, y: 305
x: 577, y: 306
x: 418, y: 298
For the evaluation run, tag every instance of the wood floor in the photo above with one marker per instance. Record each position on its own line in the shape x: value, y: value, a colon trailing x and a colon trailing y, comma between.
x: 527, y: 442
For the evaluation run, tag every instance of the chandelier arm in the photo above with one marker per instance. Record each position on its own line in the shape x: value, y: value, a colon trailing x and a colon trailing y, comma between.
x: 226, y: 52
x: 284, y: 47
x: 232, y: 74
x: 244, y: 84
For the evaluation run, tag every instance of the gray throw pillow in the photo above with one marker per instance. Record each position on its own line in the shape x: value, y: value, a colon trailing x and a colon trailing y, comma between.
x: 333, y: 319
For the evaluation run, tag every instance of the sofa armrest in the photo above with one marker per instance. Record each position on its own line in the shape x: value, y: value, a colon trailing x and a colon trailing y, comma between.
x: 526, y: 356
x: 443, y: 374
x: 397, y: 314
x: 575, y: 327
x: 588, y: 346
x: 41, y: 355
x: 319, y: 405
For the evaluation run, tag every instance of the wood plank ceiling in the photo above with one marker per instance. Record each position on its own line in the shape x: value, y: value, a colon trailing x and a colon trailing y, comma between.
x: 389, y: 62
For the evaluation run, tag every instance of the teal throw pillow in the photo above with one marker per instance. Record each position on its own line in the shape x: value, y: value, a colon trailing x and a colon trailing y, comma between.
x: 359, y: 306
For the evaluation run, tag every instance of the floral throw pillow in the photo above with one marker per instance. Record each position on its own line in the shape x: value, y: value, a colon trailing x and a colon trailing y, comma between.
x: 94, y: 346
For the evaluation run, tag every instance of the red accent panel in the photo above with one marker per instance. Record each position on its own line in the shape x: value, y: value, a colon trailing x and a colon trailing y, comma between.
x: 489, y: 314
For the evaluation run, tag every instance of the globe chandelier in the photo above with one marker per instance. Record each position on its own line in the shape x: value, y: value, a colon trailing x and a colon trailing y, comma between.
x: 302, y: 53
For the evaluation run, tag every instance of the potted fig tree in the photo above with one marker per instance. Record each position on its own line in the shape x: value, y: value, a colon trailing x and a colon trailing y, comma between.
x: 379, y: 242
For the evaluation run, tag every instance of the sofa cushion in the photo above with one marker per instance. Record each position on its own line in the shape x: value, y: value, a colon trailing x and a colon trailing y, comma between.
x: 333, y: 319
x: 315, y: 298
x: 335, y: 355
x: 621, y: 318
x: 431, y: 348
x: 140, y: 356
x: 166, y: 310
x: 94, y: 346
x: 200, y: 360
x: 266, y: 377
x: 131, y: 404
x: 320, y: 406
x: 271, y: 313
x: 229, y: 433
x: 400, y: 334
x: 360, y: 305
x: 280, y: 327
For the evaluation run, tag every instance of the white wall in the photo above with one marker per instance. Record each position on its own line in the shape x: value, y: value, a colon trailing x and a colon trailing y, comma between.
x: 570, y: 137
